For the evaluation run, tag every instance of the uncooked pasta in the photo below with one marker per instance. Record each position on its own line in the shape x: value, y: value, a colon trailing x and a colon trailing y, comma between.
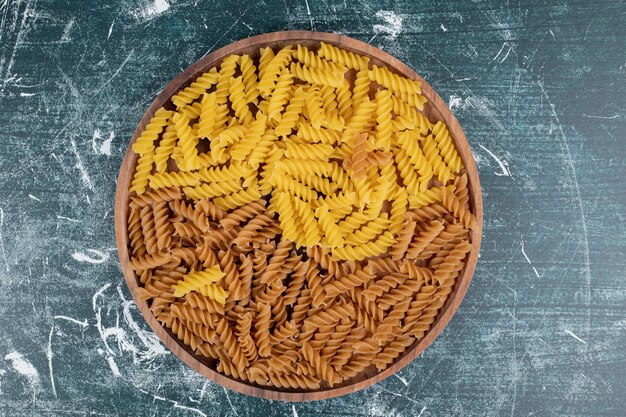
x: 295, y: 219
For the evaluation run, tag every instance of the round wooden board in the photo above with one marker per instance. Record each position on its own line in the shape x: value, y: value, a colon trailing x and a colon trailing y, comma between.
x: 435, y: 110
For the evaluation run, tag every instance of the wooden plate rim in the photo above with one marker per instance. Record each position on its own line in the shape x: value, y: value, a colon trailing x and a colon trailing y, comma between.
x: 122, y: 199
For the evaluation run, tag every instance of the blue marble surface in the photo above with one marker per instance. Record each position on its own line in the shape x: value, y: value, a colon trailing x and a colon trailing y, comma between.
x: 539, y: 88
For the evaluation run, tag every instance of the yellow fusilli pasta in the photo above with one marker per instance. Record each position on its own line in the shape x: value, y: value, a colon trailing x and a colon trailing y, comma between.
x: 196, y: 280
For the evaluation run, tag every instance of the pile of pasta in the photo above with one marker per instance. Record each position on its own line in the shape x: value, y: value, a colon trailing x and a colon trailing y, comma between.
x: 296, y: 220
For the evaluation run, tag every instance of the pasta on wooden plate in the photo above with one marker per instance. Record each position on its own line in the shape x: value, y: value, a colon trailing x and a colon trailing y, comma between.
x: 296, y: 218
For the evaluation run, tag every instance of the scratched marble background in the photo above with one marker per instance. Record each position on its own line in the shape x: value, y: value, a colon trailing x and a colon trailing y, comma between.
x: 539, y: 88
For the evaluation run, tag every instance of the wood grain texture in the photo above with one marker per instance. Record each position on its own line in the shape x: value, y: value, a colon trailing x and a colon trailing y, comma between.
x: 539, y: 90
x: 435, y: 109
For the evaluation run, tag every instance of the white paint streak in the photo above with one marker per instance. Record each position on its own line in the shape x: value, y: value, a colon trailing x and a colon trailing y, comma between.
x: 406, y: 384
x: 507, y: 54
x: 499, y: 52
x: 528, y: 260
x: 81, y: 167
x: 105, y: 147
x: 100, y: 257
x: 103, y: 335
x: 82, y: 323
x: 392, y: 26
x: 445, y: 29
x: 152, y: 343
x: 152, y: 10
x: 23, y: 367
x: 308, y: 12
x: 454, y: 102
x: 230, y: 402
x: 34, y: 198
x: 401, y: 395
x: 4, y: 255
x: 49, y: 353
x: 176, y: 403
x: 569, y: 332
x: 372, y: 38
x: 98, y: 315
x: 110, y: 30
x: 203, y: 390
x: 66, y: 32
x: 69, y: 219
x: 615, y: 116
x: 114, y: 369
x: 421, y: 412
x: 504, y: 166
x: 27, y: 94
x: 159, y: 7
x: 295, y: 413
x: 184, y: 407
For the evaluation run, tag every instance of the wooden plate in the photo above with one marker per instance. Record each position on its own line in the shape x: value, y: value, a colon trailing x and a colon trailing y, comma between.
x: 435, y: 109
